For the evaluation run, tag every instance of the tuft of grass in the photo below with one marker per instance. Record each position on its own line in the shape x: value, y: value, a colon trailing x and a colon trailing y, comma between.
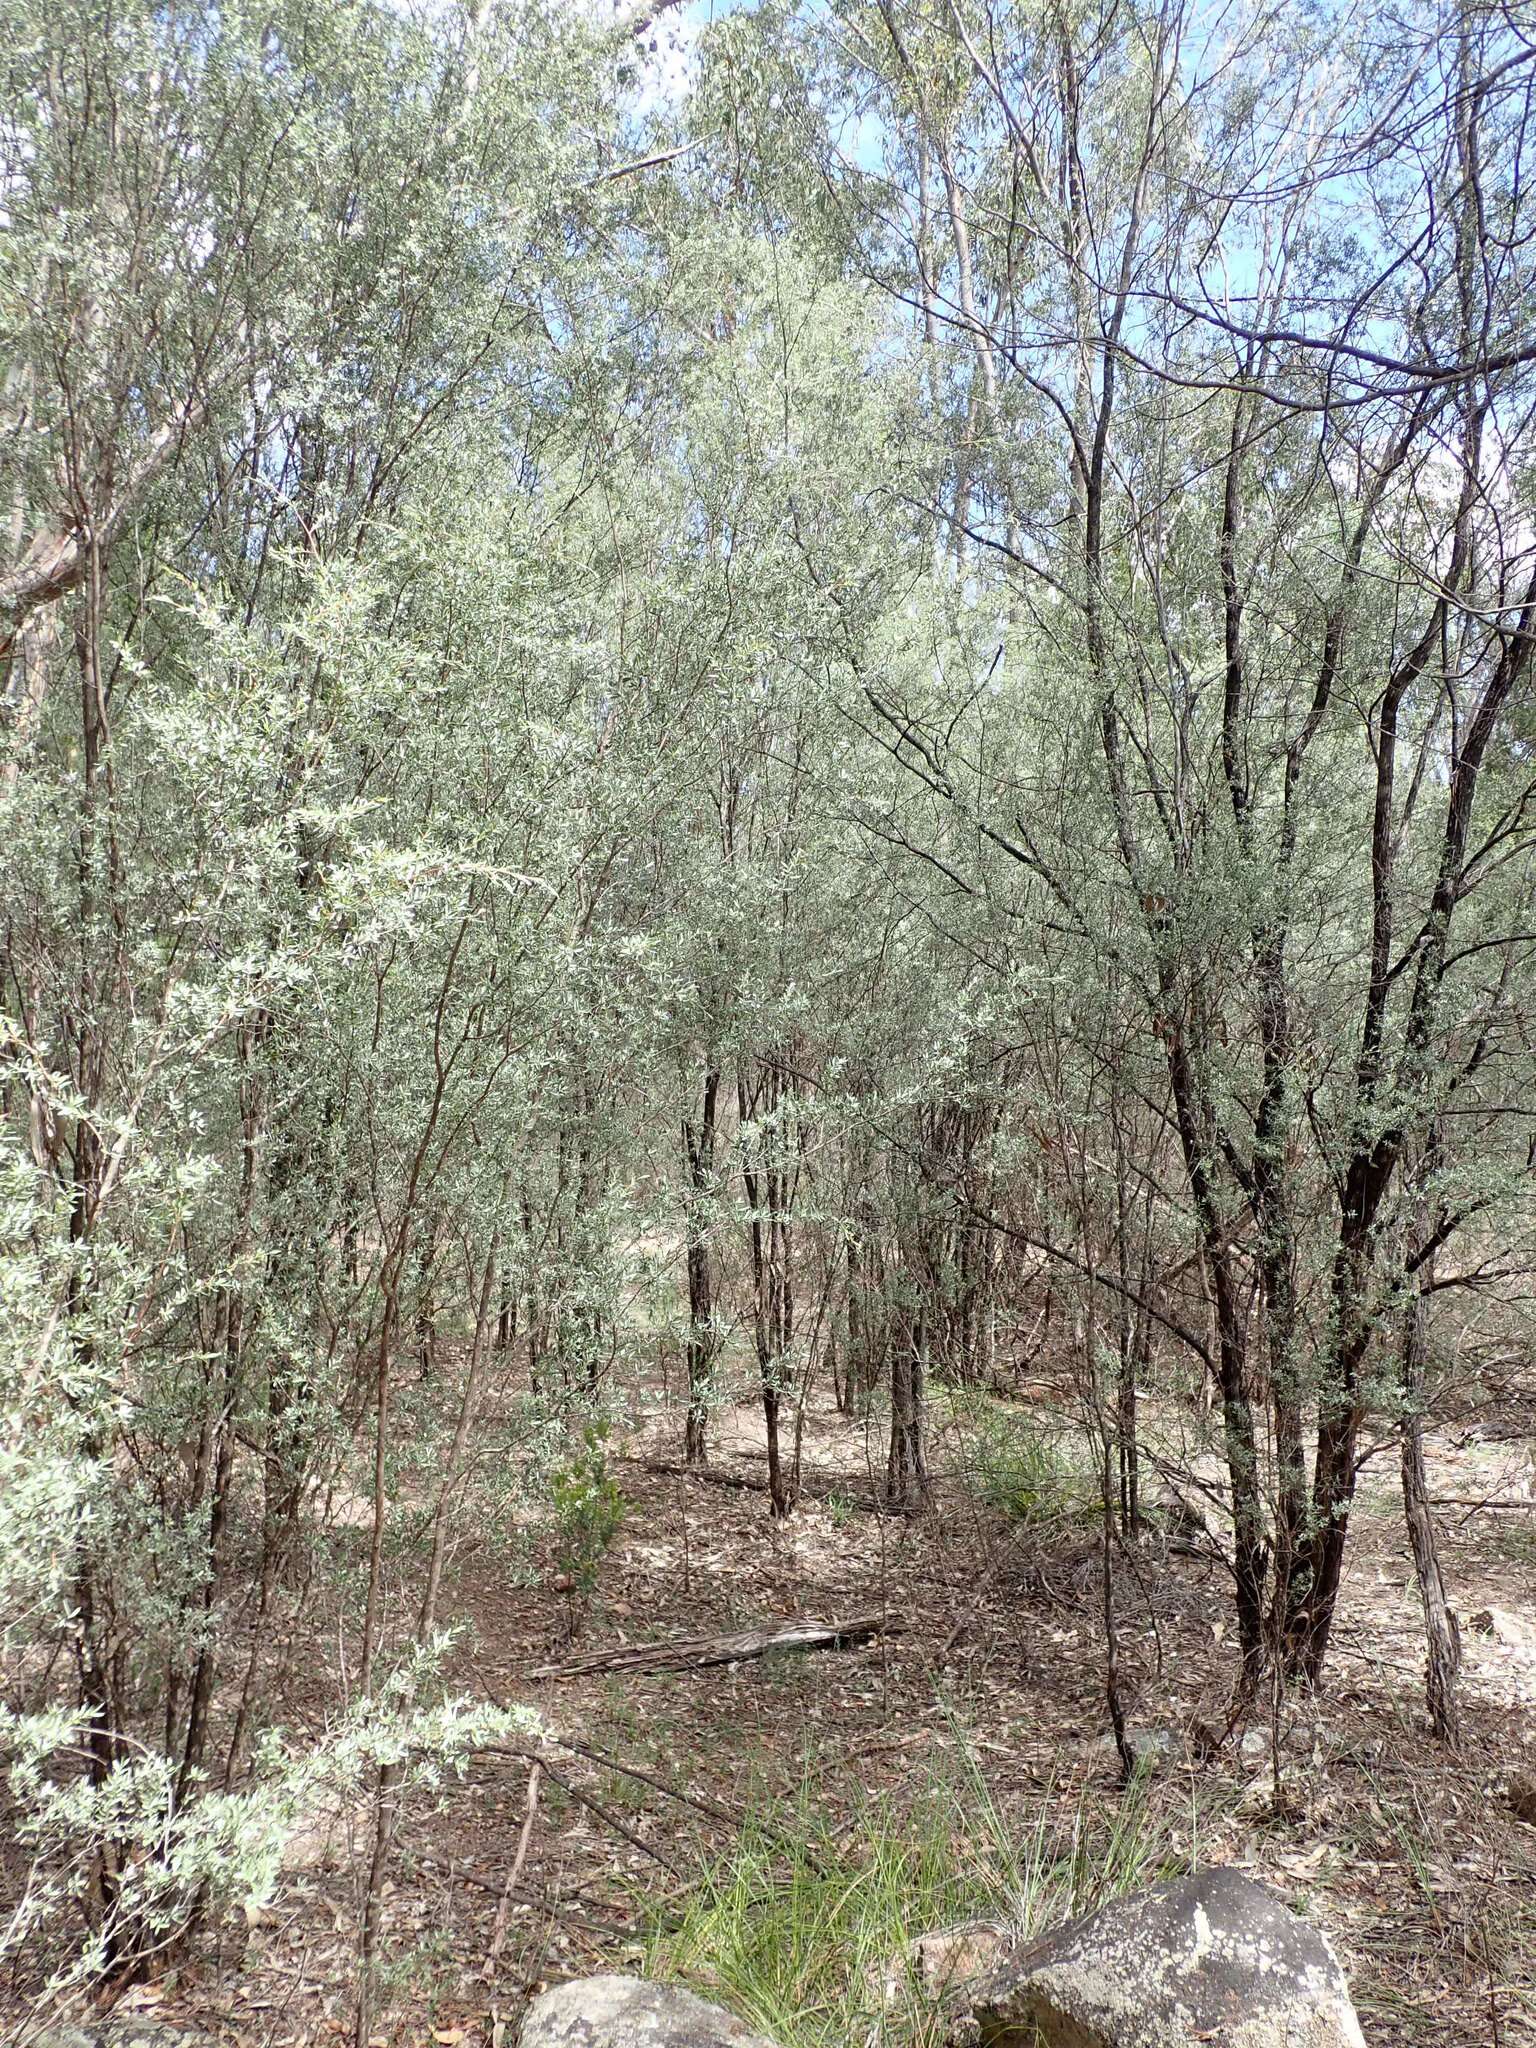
x: 1514, y: 1539
x: 1031, y: 1473
x: 805, y: 1926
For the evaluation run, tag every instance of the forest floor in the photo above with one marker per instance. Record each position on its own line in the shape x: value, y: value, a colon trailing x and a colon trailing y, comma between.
x: 1411, y: 1861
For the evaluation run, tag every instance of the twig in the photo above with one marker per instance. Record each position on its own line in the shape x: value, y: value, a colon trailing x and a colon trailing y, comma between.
x: 611, y: 1763
x: 504, y: 1904
x: 612, y: 1820
x: 969, y: 1614
x: 555, y: 1904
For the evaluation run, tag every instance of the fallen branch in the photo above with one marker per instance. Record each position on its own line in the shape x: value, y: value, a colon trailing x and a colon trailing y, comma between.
x: 697, y: 1653
x: 554, y: 1905
x: 1507, y: 1507
x: 737, y: 1482
x: 611, y: 1820
x: 514, y: 1875
x: 708, y: 1807
x: 700, y: 1804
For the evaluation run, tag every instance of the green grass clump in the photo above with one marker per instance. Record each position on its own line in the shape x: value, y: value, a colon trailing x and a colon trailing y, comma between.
x: 1034, y: 1475
x: 805, y: 1926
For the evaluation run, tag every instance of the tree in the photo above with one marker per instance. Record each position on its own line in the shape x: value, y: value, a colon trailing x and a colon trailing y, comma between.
x: 1191, y: 429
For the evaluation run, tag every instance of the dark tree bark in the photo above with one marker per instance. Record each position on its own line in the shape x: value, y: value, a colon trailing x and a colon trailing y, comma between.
x: 906, y: 1468
x: 699, y: 1153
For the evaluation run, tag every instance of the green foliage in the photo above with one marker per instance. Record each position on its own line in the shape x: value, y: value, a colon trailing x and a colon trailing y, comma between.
x: 520, y: 596
x: 1027, y: 1467
x: 195, y: 1848
x: 588, y: 1507
x: 804, y: 1927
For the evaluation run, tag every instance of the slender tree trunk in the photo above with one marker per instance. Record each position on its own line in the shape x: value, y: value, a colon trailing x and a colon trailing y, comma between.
x: 772, y: 1301
x: 480, y: 1345
x: 906, y: 1468
x: 699, y: 1152
x: 1442, y: 1636
x: 861, y: 1365
x: 1241, y: 1442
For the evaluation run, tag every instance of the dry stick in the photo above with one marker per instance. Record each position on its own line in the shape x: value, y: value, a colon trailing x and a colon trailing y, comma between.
x: 558, y: 1906
x: 708, y: 1807
x: 736, y: 1481
x: 467, y: 1873
x: 885, y: 1583
x: 609, y: 1763
x: 504, y: 1904
x: 1145, y: 1590
x: 386, y: 1785
x: 1476, y: 1507
x: 693, y: 1653
x: 387, y: 1791
x: 596, y: 1806
x: 964, y: 1619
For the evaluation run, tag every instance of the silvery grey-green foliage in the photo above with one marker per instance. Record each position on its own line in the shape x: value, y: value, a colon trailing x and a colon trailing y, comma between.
x: 865, y: 607
x: 263, y: 276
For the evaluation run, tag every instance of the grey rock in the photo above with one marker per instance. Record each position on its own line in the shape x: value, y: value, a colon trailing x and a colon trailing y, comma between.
x: 628, y: 2012
x: 1257, y: 1745
x: 951, y: 1957
x: 1149, y: 1747
x: 942, y: 1963
x: 1213, y: 1958
x: 131, y: 2031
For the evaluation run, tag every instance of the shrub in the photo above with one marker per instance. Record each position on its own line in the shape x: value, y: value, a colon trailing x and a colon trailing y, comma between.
x: 1028, y: 1472
x: 589, y: 1508
x: 182, y: 1853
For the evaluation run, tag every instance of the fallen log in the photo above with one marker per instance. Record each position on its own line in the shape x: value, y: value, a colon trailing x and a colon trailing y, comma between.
x: 735, y: 1482
x: 697, y: 1653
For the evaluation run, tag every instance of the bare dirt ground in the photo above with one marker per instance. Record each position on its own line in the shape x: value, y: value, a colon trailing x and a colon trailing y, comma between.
x: 1412, y: 1861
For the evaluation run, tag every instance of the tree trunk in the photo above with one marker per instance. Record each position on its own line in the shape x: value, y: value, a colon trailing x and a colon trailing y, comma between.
x: 1442, y: 1637
x: 906, y: 1468
x: 699, y: 1152
x: 768, y: 1235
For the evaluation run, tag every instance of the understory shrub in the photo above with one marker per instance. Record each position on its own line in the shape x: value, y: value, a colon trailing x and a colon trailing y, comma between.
x: 588, y: 1510
x: 1032, y: 1473
x: 181, y: 1851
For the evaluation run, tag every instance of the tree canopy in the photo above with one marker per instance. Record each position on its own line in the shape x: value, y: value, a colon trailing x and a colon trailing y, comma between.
x: 798, y: 712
